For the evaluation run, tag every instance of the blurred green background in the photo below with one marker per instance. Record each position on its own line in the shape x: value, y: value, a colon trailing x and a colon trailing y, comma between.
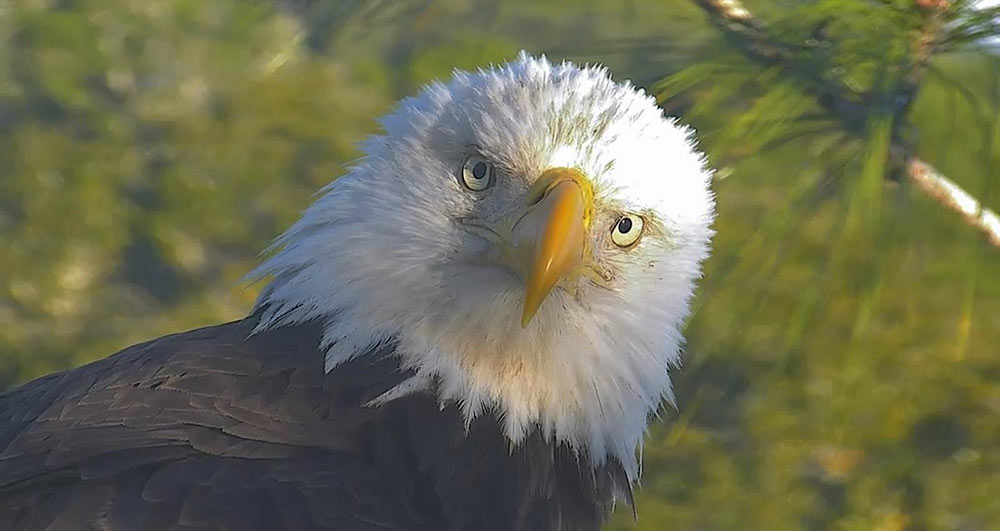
x: 842, y: 369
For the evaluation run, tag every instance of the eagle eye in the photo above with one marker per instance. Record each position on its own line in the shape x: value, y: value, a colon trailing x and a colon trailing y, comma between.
x: 478, y: 173
x: 627, y: 230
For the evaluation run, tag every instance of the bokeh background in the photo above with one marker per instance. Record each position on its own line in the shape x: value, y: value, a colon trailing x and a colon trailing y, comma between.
x: 842, y: 369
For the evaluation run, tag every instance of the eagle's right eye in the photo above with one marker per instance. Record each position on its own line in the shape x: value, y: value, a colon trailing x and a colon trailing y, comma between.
x: 478, y: 173
x: 626, y: 231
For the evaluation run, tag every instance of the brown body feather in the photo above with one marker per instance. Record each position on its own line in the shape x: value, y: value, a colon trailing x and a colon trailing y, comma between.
x: 211, y: 430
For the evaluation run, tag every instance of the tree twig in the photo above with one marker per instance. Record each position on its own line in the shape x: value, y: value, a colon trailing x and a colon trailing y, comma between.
x: 739, y: 25
x: 954, y: 198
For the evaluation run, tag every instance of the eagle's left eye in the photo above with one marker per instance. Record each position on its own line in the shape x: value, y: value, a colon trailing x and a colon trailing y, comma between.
x: 478, y: 173
x: 627, y: 230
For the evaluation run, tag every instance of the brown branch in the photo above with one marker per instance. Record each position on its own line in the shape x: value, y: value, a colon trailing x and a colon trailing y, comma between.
x: 924, y: 47
x: 739, y: 25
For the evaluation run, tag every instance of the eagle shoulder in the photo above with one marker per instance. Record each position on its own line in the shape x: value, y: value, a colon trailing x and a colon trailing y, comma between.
x: 209, y: 428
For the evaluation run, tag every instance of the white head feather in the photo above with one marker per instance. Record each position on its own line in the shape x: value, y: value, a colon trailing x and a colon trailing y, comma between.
x: 379, y: 256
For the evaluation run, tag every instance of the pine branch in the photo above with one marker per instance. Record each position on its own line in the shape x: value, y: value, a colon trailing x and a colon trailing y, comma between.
x: 740, y: 26
x: 923, y: 51
x: 747, y: 33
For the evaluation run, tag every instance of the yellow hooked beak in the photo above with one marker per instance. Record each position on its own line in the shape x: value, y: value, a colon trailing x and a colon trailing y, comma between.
x: 549, y: 239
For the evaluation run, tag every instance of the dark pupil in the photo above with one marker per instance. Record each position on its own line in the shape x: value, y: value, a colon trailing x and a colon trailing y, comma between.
x: 625, y: 225
x: 479, y: 170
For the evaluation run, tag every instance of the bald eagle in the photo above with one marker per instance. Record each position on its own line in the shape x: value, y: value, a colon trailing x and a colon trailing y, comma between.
x: 468, y: 331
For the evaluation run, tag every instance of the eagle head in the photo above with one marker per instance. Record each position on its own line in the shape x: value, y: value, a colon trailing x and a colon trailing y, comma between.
x: 528, y: 236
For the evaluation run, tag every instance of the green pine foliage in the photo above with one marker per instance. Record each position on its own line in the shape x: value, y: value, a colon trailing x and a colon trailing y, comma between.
x: 842, y: 368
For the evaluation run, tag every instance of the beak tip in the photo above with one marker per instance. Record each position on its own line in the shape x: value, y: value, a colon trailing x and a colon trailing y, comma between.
x: 526, y: 318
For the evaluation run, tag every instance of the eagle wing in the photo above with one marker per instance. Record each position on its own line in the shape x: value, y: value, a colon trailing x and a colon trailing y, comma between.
x: 202, y: 430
